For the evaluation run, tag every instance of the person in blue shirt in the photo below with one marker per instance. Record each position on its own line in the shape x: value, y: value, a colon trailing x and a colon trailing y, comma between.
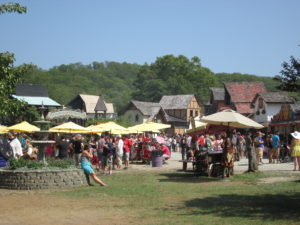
x: 276, y: 147
x: 259, y: 148
x: 86, y: 165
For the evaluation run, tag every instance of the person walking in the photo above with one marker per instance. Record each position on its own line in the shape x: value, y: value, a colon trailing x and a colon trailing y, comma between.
x: 250, y: 151
x: 259, y: 148
x: 127, y: 146
x: 296, y: 149
x: 119, y: 151
x: 184, y: 148
x: 77, y: 147
x: 276, y: 147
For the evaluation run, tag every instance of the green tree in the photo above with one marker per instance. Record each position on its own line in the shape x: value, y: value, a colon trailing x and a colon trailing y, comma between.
x: 289, y: 77
x: 12, y: 7
x: 12, y: 110
x: 173, y: 75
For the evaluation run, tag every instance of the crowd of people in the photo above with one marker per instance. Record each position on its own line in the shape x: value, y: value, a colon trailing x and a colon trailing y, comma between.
x: 111, y: 152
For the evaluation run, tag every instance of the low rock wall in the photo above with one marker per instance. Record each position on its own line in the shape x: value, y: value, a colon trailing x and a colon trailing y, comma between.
x: 39, y: 179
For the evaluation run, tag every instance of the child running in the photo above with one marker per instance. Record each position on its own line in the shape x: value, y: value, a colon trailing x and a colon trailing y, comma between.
x: 86, y: 165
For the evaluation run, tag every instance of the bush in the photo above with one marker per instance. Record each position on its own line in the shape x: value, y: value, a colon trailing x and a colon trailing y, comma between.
x: 61, y: 163
x: 23, y: 163
x: 32, y: 164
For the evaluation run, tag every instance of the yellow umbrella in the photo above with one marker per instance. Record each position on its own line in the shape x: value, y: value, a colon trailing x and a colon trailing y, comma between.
x: 69, y: 127
x: 24, y: 127
x: 231, y: 118
x: 3, y: 129
x: 108, y: 126
x: 150, y: 127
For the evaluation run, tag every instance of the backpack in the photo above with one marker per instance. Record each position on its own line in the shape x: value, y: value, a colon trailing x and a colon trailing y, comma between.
x: 6, y: 150
x: 207, y: 143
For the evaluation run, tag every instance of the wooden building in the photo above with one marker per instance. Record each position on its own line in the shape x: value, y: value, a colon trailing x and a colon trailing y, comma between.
x: 176, y: 110
x: 181, y: 106
x: 93, y: 107
x: 138, y: 112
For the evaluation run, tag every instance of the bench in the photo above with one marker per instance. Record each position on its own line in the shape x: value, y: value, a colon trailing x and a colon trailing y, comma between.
x: 185, y: 162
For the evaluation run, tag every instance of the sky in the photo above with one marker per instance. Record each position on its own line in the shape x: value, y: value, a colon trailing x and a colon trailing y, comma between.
x: 245, y: 36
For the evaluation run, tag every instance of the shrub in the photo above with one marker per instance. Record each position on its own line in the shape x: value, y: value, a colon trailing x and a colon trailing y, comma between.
x: 20, y: 163
x: 32, y: 164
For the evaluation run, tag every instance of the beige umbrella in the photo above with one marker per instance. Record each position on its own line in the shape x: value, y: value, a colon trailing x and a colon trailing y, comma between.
x: 107, y: 127
x: 199, y: 126
x: 69, y: 127
x: 231, y: 118
x: 149, y: 127
x: 24, y: 127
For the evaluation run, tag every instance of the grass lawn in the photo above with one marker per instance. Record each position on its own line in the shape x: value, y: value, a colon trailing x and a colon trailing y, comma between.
x: 181, y: 198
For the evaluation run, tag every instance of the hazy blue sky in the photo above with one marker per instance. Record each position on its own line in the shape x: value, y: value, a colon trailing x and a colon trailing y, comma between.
x: 247, y: 36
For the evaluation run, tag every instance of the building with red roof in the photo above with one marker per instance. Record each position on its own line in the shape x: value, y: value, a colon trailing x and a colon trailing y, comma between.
x: 238, y: 96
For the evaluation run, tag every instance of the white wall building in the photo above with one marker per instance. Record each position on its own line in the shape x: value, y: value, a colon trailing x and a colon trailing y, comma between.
x: 268, y: 104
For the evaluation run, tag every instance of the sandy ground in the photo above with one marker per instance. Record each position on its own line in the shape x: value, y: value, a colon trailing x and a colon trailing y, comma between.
x: 240, y: 166
x: 43, y: 207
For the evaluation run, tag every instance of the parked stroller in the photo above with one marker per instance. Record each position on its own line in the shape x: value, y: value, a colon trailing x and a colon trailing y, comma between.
x: 285, y: 154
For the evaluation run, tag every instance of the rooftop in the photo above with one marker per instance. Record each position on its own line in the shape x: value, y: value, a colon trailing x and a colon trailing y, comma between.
x: 276, y: 97
x: 176, y: 101
x: 244, y: 91
x: 147, y: 108
x: 218, y: 93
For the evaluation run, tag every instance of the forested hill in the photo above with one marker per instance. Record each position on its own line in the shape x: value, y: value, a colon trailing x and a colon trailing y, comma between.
x: 121, y: 82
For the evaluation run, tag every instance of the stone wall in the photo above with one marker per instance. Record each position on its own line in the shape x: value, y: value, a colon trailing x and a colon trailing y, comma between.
x: 40, y: 179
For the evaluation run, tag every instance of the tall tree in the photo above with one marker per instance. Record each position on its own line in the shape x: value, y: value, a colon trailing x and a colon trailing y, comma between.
x: 12, y: 110
x: 289, y: 77
x: 173, y: 75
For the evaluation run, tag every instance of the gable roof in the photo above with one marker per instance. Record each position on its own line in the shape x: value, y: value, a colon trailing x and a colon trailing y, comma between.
x: 91, y: 101
x: 244, y: 91
x: 275, y: 97
x: 176, y: 101
x: 218, y: 93
x: 170, y: 119
x: 31, y: 90
x: 100, y: 106
x: 146, y: 108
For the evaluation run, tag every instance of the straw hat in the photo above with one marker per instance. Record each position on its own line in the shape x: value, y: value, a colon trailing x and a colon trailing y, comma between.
x: 296, y: 135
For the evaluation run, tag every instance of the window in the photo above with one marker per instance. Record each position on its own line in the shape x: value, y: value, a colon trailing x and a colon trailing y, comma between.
x: 191, y: 113
x: 136, y: 117
x: 196, y: 113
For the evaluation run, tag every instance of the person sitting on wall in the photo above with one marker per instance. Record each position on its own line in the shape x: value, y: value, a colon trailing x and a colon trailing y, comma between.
x: 30, y: 152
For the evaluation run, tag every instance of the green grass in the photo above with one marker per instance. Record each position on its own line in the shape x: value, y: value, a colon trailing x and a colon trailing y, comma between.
x: 182, y: 198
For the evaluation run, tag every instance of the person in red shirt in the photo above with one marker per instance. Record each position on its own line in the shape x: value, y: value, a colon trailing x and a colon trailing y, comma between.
x: 201, y: 142
x: 127, y: 146
x: 166, y: 151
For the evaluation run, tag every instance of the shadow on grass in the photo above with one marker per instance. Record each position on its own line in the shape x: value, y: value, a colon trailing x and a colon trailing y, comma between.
x: 269, y: 207
x: 189, y: 178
